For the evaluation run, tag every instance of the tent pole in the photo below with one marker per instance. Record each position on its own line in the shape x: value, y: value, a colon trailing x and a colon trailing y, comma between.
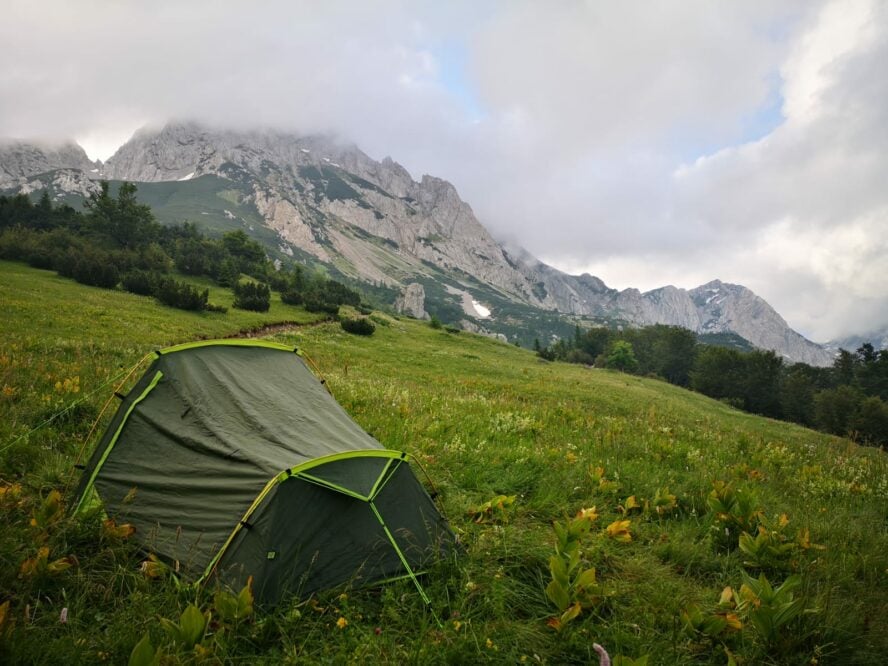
x: 391, y: 539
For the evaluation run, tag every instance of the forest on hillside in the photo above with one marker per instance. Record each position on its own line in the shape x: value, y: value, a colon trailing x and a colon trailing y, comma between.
x: 850, y: 398
x: 118, y: 241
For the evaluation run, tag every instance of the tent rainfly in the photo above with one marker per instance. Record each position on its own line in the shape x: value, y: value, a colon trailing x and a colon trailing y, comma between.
x: 231, y: 460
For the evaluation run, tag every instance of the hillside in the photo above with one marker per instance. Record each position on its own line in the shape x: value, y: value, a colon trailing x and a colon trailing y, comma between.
x: 485, y: 419
x: 325, y: 202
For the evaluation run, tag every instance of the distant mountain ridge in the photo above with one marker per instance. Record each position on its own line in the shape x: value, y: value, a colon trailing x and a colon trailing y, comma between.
x: 369, y: 220
x: 878, y: 339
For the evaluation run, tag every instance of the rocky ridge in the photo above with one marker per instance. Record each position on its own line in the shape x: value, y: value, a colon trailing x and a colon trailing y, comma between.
x: 374, y: 222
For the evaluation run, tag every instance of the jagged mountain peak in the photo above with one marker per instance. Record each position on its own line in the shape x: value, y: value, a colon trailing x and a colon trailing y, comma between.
x: 22, y: 159
x: 371, y: 220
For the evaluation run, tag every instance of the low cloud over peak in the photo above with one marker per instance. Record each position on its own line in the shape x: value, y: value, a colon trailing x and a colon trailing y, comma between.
x: 648, y: 145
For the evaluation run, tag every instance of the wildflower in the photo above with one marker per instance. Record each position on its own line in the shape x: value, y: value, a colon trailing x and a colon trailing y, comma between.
x: 587, y: 514
x: 377, y: 631
x: 342, y: 623
x: 457, y: 625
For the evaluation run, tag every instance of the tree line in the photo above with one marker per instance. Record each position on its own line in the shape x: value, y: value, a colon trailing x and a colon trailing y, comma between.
x: 117, y: 241
x: 850, y: 398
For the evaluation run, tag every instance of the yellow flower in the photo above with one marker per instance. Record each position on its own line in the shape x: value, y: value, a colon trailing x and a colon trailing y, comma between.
x: 342, y: 623
x: 588, y: 514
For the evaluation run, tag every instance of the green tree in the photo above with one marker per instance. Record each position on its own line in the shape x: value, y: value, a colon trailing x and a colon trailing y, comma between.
x: 843, y: 368
x: 622, y: 356
x: 124, y: 220
x: 797, y: 394
x: 761, y: 382
x: 870, y: 421
x: 718, y: 373
x: 835, y: 408
x: 674, y: 350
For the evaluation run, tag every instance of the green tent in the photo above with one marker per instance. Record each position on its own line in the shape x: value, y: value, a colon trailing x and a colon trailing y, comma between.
x: 231, y: 460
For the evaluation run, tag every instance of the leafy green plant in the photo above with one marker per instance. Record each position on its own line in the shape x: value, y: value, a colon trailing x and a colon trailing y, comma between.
x: 40, y: 566
x: 733, y: 512
x: 716, y: 624
x: 574, y: 585
x: 145, y: 654
x: 233, y: 609
x: 604, y: 484
x: 493, y: 510
x: 49, y: 512
x: 190, y: 630
x: 772, y: 548
x: 769, y: 609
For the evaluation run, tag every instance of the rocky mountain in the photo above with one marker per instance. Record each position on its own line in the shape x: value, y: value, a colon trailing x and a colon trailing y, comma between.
x: 66, y: 165
x: 327, y: 202
x: 878, y: 339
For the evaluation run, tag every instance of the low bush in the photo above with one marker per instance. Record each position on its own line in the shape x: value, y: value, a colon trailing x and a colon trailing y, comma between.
x: 140, y: 282
x: 97, y: 270
x: 314, y: 304
x: 358, y: 326
x: 181, y: 295
x: 254, y: 296
x: 292, y: 297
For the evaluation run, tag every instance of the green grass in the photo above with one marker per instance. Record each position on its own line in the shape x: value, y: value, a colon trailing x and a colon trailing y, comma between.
x: 484, y: 419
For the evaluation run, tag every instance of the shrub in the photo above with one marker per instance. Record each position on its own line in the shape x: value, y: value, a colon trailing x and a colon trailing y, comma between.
x: 314, y: 304
x: 253, y: 296
x: 453, y: 329
x: 140, y: 282
x: 212, y: 307
x: 97, y: 270
x: 434, y: 322
x: 358, y: 326
x: 336, y: 292
x: 181, y: 295
x: 292, y: 297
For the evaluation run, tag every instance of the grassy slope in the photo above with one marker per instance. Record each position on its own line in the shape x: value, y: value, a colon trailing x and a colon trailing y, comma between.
x: 484, y: 419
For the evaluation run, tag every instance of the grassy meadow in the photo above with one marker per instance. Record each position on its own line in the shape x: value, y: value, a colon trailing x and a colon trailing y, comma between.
x: 546, y: 471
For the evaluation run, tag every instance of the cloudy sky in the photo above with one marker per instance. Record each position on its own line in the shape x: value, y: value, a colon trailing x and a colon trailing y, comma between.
x: 648, y: 143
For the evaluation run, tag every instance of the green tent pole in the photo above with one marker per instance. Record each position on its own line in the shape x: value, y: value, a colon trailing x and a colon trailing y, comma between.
x: 391, y: 538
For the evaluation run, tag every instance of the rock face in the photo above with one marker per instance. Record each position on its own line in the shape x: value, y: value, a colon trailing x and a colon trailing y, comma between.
x: 19, y: 160
x: 878, y: 339
x: 411, y: 302
x: 373, y: 222
x: 27, y: 167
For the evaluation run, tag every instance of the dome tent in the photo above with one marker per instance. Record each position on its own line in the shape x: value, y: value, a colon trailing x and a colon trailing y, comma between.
x: 231, y: 460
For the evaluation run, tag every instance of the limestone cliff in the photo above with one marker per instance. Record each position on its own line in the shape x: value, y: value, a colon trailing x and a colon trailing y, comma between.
x: 372, y: 221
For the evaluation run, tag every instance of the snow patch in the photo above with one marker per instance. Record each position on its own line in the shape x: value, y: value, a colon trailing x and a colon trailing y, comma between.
x: 188, y: 177
x: 482, y: 311
x: 305, y: 150
x: 230, y: 215
x: 336, y: 165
